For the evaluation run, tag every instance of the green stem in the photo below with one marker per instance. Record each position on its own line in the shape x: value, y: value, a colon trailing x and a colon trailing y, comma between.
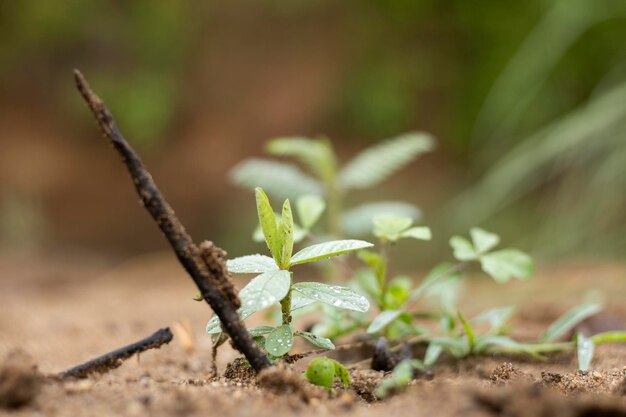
x: 285, y: 304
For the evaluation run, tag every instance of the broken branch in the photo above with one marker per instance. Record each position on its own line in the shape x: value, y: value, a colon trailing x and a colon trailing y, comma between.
x: 206, y: 266
x: 114, y: 359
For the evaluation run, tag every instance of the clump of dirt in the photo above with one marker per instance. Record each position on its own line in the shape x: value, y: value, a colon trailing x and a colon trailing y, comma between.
x: 240, y: 371
x: 20, y: 382
x: 506, y: 372
x: 281, y: 380
x: 597, y: 382
x: 534, y: 400
x: 364, y: 382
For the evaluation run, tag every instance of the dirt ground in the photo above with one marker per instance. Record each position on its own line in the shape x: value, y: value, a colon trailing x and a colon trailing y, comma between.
x: 62, y: 312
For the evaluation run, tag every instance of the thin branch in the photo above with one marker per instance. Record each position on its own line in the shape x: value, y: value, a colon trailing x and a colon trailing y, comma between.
x: 114, y: 359
x: 205, y: 265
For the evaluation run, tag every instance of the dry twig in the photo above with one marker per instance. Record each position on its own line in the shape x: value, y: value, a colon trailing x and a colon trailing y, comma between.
x: 205, y: 264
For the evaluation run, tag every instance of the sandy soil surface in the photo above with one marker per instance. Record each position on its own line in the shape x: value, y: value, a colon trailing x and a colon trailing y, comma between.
x: 62, y: 312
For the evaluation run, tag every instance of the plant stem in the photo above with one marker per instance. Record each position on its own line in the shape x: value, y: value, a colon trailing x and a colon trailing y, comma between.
x: 285, y: 303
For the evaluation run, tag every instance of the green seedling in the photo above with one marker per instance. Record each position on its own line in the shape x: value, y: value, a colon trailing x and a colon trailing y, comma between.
x: 274, y: 284
x: 326, y: 179
x: 401, y: 376
x: 323, y: 372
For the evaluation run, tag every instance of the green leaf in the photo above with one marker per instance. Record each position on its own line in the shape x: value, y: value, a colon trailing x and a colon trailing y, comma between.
x: 321, y: 372
x: 397, y: 292
x: 400, y: 377
x: 584, y: 349
x: 609, y: 337
x: 505, y: 264
x: 279, y: 341
x: 458, y: 348
x: 441, y: 272
x: 259, y: 330
x: 389, y: 227
x: 568, y: 321
x: 279, y: 179
x: 327, y: 250
x: 267, y: 220
x: 503, y: 344
x: 342, y: 373
x: 310, y: 208
x: 433, y: 351
x: 419, y: 233
x: 357, y: 221
x: 298, y: 302
x: 463, y: 249
x: 261, y: 292
x: 265, y: 290
x: 383, y: 320
x: 334, y: 295
x: 251, y: 264
x: 298, y: 233
x: 483, y: 241
x: 286, y: 229
x: 368, y: 282
x: 376, y: 163
x: 317, y: 155
x: 496, y: 318
x: 471, y: 337
x: 376, y: 263
x: 320, y: 342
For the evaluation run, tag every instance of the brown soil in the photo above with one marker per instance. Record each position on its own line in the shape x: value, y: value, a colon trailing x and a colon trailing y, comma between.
x: 62, y: 313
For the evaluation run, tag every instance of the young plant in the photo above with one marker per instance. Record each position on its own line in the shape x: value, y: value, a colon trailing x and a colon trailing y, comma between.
x: 325, y: 178
x: 275, y: 285
x: 395, y: 312
x: 323, y: 372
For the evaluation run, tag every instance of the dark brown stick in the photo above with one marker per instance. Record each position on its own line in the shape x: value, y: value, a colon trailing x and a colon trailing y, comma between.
x: 206, y: 267
x: 115, y: 358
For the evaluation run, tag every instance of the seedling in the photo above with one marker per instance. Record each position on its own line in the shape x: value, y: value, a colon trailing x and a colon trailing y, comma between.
x: 275, y: 284
x: 326, y: 179
x: 323, y: 372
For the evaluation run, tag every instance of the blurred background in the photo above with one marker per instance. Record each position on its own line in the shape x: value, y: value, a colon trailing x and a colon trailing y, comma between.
x: 527, y: 101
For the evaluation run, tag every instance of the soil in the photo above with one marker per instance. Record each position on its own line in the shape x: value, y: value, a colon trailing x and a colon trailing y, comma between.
x: 58, y: 312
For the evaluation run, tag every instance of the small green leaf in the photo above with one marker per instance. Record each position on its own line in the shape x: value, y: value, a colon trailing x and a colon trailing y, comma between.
x: 483, y: 241
x: 433, y: 351
x: 568, y: 321
x: 463, y: 249
x: 505, y: 264
x: 327, y: 250
x: 496, y: 318
x: 321, y: 372
x: 584, y: 348
x: 397, y: 292
x: 298, y: 233
x: 471, y: 337
x: 614, y: 336
x: 320, y: 342
x: 267, y: 220
x: 376, y: 163
x: 368, y: 282
x: 259, y: 330
x: 310, y: 208
x: 251, y: 264
x: 317, y: 154
x: 334, y: 295
x: 503, y: 344
x: 279, y: 341
x: 389, y: 227
x: 383, y: 320
x: 441, y: 272
x: 286, y: 229
x: 342, y: 373
x: 400, y: 377
x: 357, y: 221
x: 419, y: 233
x: 261, y: 292
x: 279, y: 179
